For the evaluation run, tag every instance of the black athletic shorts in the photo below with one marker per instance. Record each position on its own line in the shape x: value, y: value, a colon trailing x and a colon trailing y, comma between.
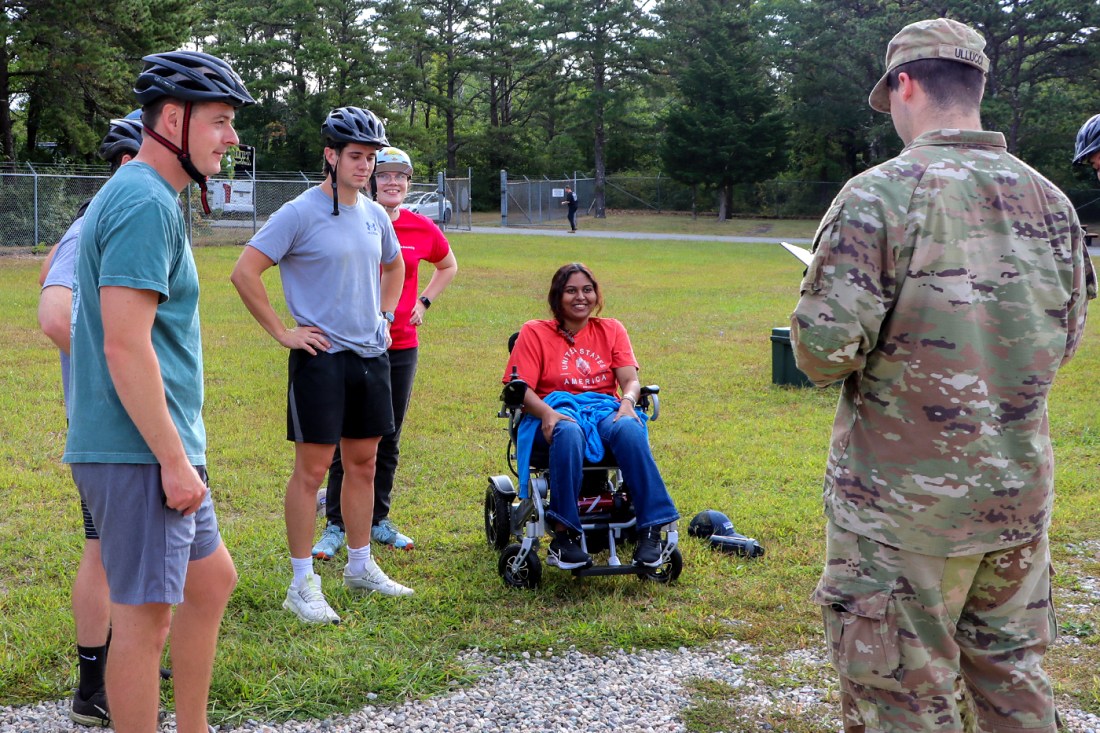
x: 340, y: 395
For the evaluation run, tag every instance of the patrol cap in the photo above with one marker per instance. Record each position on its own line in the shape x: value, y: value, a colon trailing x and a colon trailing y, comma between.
x: 940, y: 38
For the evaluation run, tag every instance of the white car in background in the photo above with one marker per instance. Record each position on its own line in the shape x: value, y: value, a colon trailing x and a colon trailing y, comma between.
x: 428, y: 204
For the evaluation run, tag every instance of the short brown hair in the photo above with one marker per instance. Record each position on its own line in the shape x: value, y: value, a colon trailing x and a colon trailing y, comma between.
x: 947, y: 83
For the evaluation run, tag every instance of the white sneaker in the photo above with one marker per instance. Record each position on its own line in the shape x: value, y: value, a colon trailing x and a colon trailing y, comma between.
x: 372, y: 579
x: 309, y: 604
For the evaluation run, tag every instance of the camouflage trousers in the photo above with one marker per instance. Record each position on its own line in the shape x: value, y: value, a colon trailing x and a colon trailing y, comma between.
x: 904, y: 630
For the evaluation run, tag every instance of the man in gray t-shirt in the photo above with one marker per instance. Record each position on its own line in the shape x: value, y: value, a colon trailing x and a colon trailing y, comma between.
x: 330, y: 244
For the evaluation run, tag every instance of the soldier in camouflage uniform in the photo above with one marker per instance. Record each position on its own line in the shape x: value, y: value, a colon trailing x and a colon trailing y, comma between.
x: 948, y: 286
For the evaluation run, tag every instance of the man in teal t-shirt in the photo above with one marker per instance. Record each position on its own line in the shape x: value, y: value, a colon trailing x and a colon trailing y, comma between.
x: 136, y: 443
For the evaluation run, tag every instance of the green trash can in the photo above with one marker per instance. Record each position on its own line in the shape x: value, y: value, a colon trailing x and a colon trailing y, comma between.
x: 784, y: 371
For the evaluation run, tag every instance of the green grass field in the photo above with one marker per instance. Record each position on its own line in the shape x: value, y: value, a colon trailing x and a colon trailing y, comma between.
x: 700, y: 316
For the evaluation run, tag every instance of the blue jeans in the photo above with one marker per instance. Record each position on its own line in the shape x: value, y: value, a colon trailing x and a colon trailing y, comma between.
x: 627, y: 440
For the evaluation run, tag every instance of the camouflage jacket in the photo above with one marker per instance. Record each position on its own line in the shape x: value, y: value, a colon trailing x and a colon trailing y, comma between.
x: 948, y: 286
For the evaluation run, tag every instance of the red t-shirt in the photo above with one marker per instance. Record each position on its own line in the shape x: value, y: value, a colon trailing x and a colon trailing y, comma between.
x: 420, y: 239
x: 546, y: 361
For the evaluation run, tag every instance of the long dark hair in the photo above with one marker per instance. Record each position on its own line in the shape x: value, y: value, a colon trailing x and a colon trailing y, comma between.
x: 557, y: 291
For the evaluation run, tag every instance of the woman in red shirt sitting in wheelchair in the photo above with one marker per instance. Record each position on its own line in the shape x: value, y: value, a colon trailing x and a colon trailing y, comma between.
x: 581, y: 355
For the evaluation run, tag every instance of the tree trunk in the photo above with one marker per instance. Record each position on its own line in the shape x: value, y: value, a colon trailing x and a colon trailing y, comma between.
x: 600, y: 211
x: 7, y: 139
x: 723, y: 212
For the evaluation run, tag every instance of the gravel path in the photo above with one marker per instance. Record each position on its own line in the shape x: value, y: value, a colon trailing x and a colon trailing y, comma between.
x: 624, y: 692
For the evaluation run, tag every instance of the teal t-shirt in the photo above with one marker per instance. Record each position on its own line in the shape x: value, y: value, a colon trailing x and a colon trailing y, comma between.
x: 134, y: 237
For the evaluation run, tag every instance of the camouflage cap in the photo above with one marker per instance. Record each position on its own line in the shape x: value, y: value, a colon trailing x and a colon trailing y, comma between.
x: 940, y: 38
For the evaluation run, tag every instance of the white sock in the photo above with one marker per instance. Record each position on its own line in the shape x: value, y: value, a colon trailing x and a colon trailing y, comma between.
x: 303, y: 568
x: 357, y: 559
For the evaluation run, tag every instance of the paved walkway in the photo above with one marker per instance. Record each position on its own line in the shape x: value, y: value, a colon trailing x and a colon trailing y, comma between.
x: 635, y: 235
x: 1094, y: 251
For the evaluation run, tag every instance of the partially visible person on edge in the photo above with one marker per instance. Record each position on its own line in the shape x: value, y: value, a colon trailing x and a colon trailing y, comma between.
x: 91, y: 601
x: 136, y: 441
x: 948, y: 286
x: 330, y: 244
x: 1087, y: 149
x: 421, y: 241
x: 577, y: 357
x: 1087, y: 152
x: 570, y: 200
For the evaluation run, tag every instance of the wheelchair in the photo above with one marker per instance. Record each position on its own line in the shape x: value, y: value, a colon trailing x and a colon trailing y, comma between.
x: 515, y: 524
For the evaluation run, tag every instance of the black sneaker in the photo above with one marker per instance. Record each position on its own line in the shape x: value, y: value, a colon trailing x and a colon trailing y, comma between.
x: 648, y: 552
x: 91, y: 711
x: 567, y: 553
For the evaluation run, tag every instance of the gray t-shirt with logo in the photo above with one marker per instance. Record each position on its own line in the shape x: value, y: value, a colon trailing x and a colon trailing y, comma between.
x: 329, y: 267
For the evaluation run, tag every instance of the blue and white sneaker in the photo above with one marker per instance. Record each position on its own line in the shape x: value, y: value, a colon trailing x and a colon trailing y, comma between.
x: 332, y: 539
x: 386, y: 533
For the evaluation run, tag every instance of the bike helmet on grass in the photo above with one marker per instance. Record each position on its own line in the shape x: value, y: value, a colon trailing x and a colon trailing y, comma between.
x: 189, y: 76
x: 710, y: 522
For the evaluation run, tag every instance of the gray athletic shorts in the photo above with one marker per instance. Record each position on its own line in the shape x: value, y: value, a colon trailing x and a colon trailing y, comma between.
x: 145, y: 545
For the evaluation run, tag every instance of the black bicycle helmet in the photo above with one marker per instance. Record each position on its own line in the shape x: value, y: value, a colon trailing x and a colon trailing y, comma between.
x: 1088, y: 140
x: 189, y: 76
x: 710, y: 522
x: 124, y: 136
x: 351, y: 125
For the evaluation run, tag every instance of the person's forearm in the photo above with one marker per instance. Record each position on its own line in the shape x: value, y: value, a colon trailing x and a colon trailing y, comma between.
x: 441, y: 278
x: 54, y: 314
x: 534, y: 405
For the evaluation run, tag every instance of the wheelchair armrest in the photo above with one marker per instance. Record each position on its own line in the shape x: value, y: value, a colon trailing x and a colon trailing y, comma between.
x: 515, y: 389
x: 513, y: 393
x: 648, y: 401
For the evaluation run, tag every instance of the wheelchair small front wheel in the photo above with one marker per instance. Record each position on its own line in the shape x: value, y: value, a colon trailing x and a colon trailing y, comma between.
x: 498, y: 516
x: 516, y: 573
x: 666, y: 572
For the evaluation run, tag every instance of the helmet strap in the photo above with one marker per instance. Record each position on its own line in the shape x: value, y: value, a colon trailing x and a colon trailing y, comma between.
x: 183, y: 155
x: 335, y: 192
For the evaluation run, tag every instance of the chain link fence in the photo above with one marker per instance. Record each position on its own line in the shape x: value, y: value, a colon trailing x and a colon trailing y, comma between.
x: 37, y: 203
x: 532, y: 202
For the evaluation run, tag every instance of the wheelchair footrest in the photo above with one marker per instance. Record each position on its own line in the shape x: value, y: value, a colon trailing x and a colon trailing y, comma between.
x: 625, y: 569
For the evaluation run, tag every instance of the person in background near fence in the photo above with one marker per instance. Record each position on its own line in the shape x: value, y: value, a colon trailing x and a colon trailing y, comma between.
x: 570, y: 200
x: 421, y: 241
x: 136, y: 441
x: 330, y: 244
x: 948, y: 287
x: 91, y: 601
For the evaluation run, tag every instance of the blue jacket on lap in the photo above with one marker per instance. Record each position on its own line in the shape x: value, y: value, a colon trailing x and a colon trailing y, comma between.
x: 587, y: 409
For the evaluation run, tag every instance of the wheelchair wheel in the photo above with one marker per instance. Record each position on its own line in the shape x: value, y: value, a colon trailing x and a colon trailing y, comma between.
x: 498, y: 514
x: 665, y: 573
x: 515, y: 574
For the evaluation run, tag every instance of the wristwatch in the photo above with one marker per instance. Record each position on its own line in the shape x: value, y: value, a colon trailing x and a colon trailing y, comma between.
x: 427, y: 303
x: 388, y: 315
